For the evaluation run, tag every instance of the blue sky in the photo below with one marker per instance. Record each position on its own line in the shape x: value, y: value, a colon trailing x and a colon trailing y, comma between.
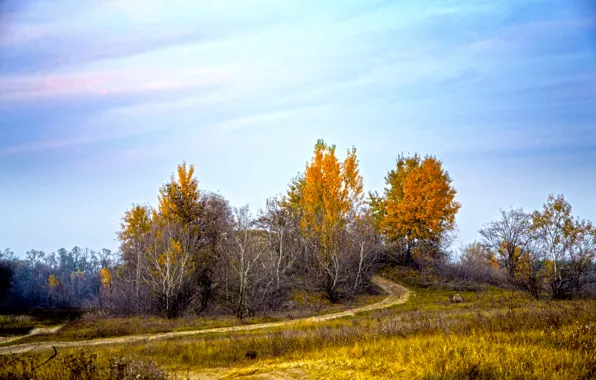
x: 101, y: 99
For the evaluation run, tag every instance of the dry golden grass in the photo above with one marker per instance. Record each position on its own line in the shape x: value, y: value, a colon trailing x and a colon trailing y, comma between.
x: 495, y: 334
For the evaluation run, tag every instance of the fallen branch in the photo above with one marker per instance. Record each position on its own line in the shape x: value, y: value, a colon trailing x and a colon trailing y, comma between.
x: 47, y: 361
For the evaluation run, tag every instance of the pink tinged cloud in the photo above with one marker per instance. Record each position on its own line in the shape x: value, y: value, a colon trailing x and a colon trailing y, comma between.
x: 105, y: 83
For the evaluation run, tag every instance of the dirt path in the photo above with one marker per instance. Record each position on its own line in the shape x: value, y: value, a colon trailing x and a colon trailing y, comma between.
x: 397, y: 294
x: 33, y: 332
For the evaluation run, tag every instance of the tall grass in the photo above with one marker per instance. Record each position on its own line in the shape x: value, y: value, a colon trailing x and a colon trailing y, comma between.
x: 527, y: 341
x: 16, y: 324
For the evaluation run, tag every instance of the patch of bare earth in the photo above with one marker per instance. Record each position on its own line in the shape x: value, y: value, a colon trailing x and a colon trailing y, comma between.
x: 286, y: 371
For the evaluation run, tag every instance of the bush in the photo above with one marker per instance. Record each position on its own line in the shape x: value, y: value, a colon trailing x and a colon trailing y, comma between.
x: 79, y: 365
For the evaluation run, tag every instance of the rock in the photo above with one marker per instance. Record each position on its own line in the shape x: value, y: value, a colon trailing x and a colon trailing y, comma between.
x: 252, y: 355
x: 457, y: 299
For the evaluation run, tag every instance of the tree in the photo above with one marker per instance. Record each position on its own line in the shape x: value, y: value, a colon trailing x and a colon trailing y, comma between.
x: 6, y: 273
x: 531, y: 270
x: 568, y: 245
x: 169, y: 269
x: 216, y: 222
x: 105, y: 277
x: 104, y: 285
x: 240, y: 264
x: 418, y: 206
x: 53, y: 284
x: 135, y: 235
x: 171, y: 250
x: 508, y: 239
x: 180, y: 201
x: 479, y: 262
x: 365, y: 242
x: 179, y: 198
x: 325, y: 197
x: 282, y: 249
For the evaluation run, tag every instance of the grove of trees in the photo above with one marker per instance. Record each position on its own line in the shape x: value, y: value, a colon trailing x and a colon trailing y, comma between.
x: 193, y: 252
x: 544, y: 251
x: 62, y: 279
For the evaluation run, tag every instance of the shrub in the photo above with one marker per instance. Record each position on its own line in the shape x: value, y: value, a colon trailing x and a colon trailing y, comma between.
x: 79, y: 365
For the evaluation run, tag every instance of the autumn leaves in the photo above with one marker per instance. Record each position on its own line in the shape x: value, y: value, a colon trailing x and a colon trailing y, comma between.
x: 416, y: 211
x: 324, y: 234
x: 418, y: 204
x: 328, y: 197
x: 161, y: 247
x: 418, y: 208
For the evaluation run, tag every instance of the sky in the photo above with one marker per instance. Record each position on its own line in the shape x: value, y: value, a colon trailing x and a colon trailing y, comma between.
x: 101, y: 99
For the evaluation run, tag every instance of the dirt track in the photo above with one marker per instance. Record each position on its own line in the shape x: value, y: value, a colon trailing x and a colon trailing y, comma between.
x: 397, y: 294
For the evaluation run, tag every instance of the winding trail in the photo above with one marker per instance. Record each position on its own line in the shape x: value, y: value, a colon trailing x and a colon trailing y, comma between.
x: 33, y: 332
x: 397, y: 294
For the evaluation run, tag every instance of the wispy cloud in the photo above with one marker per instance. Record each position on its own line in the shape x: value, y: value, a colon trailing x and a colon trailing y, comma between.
x: 121, y: 85
x: 44, y: 145
x: 105, y: 83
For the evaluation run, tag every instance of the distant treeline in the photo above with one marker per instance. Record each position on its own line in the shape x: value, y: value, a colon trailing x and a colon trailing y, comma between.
x: 195, y: 253
x: 62, y: 279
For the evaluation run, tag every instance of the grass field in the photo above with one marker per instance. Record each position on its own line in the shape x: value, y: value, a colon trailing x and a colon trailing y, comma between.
x: 494, y: 334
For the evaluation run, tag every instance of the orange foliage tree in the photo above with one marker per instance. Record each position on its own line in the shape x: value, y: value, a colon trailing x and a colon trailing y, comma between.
x: 327, y: 195
x: 418, y: 207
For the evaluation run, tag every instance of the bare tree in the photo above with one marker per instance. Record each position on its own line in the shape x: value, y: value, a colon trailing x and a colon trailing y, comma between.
x: 508, y: 238
x: 478, y: 263
x: 169, y: 270
x: 135, y: 236
x: 568, y: 246
x: 330, y: 269
x: 216, y: 223
x: 282, y: 249
x: 6, y: 272
x: 366, y: 243
x: 582, y: 258
x: 239, y: 264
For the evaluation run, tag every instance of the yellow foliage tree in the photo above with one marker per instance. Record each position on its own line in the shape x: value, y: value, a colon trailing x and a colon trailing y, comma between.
x: 329, y: 191
x: 162, y: 247
x: 105, y: 277
x: 179, y: 199
x: 135, y: 223
x: 135, y: 231
x: 418, y: 205
x: 326, y: 195
x: 53, y: 282
x: 494, y: 263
